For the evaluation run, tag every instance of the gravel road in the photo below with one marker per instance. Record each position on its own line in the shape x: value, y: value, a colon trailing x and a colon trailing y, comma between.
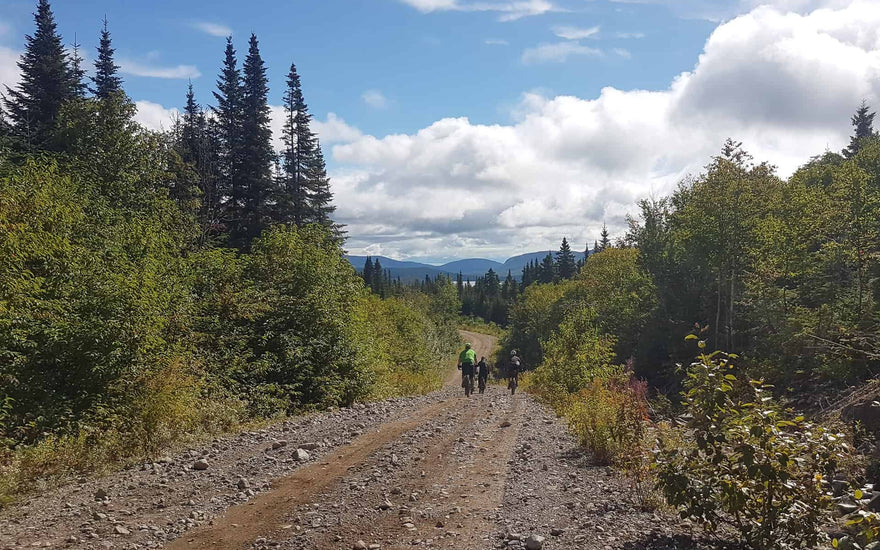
x: 435, y: 471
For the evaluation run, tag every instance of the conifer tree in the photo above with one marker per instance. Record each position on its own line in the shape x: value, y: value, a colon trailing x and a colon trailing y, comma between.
x: 547, y: 269
x: 863, y: 124
x: 377, y: 282
x: 106, y: 81
x: 605, y: 239
x: 368, y: 272
x: 304, y: 194
x: 48, y: 80
x: 256, y: 146
x: 566, y: 268
x: 79, y: 74
x: 229, y: 116
x: 595, y: 247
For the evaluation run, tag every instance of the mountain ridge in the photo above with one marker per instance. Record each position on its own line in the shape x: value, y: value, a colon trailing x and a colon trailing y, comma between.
x: 470, y: 268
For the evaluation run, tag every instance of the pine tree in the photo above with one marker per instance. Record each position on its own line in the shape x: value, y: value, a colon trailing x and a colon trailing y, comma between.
x: 304, y: 190
x: 377, y: 283
x: 79, y: 74
x: 548, y: 269
x: 566, y: 268
x: 605, y: 239
x: 106, y: 80
x: 256, y: 145
x: 863, y: 123
x: 47, y: 81
x: 368, y: 272
x: 595, y: 247
x: 229, y: 116
x: 198, y: 147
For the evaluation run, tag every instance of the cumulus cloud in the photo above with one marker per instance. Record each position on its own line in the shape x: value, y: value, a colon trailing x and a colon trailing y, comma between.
x: 508, y: 11
x: 153, y: 116
x: 623, y: 52
x: 783, y: 83
x: 557, y: 52
x: 136, y: 68
x: 213, y: 29
x: 9, y: 73
x: 575, y: 33
x: 375, y: 99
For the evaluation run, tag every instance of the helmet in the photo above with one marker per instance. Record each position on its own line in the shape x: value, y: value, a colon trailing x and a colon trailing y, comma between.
x: 467, y: 345
x: 512, y: 352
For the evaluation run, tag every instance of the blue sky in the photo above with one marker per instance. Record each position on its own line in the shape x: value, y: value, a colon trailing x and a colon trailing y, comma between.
x: 489, y: 128
x: 427, y: 65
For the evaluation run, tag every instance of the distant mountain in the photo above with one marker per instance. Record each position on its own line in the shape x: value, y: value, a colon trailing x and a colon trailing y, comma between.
x: 517, y: 263
x: 469, y: 268
x: 472, y: 268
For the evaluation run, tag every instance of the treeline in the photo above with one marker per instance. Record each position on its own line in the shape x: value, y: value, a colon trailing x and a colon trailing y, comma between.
x: 159, y: 286
x: 491, y: 299
x: 782, y: 278
x: 784, y: 272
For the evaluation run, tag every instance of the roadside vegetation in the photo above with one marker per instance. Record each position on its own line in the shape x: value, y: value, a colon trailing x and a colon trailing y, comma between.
x: 157, y: 288
x: 781, y: 275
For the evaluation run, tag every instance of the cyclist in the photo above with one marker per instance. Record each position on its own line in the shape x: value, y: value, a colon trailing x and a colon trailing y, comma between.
x: 482, y: 374
x: 513, y: 372
x: 466, y: 361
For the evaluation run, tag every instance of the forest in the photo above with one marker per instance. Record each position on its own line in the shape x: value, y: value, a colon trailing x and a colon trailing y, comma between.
x: 157, y: 287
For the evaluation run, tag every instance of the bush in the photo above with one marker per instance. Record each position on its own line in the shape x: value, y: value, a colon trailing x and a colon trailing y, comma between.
x: 608, y: 417
x: 746, y: 463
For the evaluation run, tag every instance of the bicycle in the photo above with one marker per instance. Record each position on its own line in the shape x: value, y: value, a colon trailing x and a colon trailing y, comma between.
x: 512, y: 384
x: 468, y: 383
x: 482, y: 384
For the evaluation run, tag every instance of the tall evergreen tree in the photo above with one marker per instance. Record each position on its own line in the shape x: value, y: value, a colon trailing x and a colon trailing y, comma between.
x: 304, y: 194
x: 547, y: 269
x: 863, y: 124
x: 229, y: 116
x: 79, y: 73
x: 566, y: 267
x: 605, y: 239
x: 256, y: 145
x: 368, y: 272
x: 47, y: 81
x: 106, y: 81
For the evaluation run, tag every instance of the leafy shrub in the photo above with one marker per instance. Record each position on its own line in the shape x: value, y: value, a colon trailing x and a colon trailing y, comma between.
x: 746, y: 463
x: 608, y: 416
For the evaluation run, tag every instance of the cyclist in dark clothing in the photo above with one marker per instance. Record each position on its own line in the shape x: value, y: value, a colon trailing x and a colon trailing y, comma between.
x: 482, y: 374
x: 513, y: 372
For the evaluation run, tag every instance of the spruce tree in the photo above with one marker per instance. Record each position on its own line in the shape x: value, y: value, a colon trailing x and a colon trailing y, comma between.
x: 79, y: 74
x: 595, y: 247
x: 106, y: 81
x: 48, y: 80
x: 548, y: 269
x: 863, y: 124
x: 368, y: 272
x: 304, y: 194
x: 256, y: 146
x: 228, y: 115
x: 566, y: 267
x: 605, y: 239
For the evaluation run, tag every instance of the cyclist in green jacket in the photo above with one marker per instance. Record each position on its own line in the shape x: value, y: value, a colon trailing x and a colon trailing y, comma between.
x: 466, y: 361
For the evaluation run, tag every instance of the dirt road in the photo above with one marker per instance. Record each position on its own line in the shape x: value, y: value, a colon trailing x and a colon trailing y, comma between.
x: 440, y: 471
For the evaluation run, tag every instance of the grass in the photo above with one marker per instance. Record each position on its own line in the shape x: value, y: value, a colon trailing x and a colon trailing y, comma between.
x: 475, y: 324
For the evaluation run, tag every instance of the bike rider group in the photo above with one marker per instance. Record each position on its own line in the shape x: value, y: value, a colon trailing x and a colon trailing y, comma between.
x: 470, y: 368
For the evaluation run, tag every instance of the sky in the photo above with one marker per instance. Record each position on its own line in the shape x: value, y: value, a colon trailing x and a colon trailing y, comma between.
x: 489, y: 128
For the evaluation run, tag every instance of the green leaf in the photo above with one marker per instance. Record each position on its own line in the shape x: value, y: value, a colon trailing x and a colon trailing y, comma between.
x: 690, y: 337
x: 859, y: 494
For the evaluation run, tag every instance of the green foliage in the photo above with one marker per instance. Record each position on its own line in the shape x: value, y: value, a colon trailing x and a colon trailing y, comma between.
x: 746, y: 463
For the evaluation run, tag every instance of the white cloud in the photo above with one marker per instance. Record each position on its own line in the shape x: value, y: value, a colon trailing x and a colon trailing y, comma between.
x: 9, y: 73
x: 214, y: 29
x: 136, y: 68
x: 575, y: 33
x: 333, y: 130
x: 507, y: 10
x: 557, y: 52
x: 496, y: 42
x: 375, y: 99
x: 784, y: 84
x: 626, y: 35
x: 622, y: 52
x: 153, y: 116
